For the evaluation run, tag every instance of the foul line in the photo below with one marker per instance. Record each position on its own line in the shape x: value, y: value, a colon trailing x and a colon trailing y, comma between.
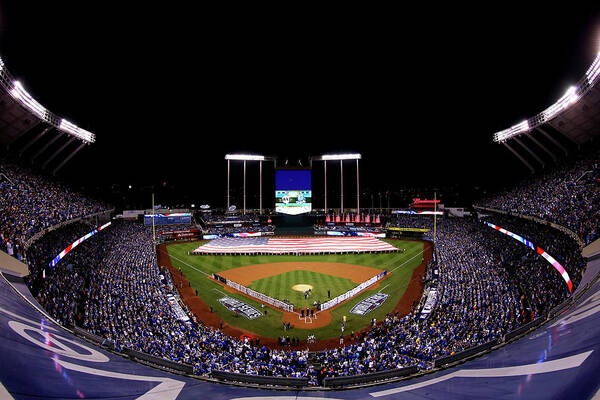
x: 221, y: 292
x: 384, y: 287
x: 419, y: 253
x: 410, y: 259
x: 183, y: 262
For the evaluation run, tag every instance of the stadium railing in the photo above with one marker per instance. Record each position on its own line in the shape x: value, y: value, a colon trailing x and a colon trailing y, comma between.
x: 371, y: 377
x: 560, y: 308
x: 100, y: 341
x: 160, y: 362
x: 525, y: 328
x: 259, y: 379
x: 440, y: 362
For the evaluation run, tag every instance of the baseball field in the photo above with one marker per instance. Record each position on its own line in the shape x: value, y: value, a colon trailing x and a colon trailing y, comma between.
x: 289, y: 278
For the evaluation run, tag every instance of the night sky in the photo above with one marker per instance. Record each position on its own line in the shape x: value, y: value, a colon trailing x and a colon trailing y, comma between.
x: 418, y: 91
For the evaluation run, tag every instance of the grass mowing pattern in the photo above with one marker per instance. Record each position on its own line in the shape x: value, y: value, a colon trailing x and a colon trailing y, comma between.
x: 270, y: 325
x: 280, y: 287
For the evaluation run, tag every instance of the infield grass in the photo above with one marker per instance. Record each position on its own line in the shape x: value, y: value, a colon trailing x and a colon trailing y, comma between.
x: 281, y: 287
x: 400, y: 265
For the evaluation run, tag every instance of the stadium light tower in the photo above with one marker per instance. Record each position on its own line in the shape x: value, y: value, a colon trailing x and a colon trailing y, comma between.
x: 341, y: 158
x: 572, y: 96
x: 52, y: 124
x: 244, y: 158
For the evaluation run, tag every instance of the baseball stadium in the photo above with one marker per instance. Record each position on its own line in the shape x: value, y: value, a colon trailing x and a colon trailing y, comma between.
x: 269, y: 266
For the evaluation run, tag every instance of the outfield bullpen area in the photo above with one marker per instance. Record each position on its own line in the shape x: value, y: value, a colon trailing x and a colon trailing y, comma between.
x: 287, y: 278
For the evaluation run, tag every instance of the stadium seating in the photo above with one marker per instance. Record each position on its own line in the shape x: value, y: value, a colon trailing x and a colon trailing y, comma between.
x: 489, y: 285
x: 112, y: 287
x: 30, y: 203
x: 568, y: 195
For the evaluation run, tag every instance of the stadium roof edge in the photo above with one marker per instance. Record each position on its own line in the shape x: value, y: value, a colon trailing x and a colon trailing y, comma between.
x: 16, y: 90
x: 572, y: 96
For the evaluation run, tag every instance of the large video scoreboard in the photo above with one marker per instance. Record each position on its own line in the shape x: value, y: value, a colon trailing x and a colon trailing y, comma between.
x: 293, y: 193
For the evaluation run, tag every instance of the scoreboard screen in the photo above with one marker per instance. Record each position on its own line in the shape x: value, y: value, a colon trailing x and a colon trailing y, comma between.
x: 293, y: 193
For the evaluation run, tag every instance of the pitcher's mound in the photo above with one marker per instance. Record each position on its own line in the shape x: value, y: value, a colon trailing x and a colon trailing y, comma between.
x: 301, y: 287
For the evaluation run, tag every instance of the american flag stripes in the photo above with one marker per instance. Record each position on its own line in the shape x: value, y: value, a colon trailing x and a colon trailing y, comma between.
x: 292, y: 245
x: 564, y: 274
x: 75, y: 244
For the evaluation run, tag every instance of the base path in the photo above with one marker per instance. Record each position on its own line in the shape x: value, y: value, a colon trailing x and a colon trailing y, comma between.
x: 203, y: 313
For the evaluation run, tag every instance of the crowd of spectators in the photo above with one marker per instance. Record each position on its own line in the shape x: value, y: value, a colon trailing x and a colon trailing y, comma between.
x: 111, y: 286
x: 411, y: 221
x: 30, y: 203
x: 489, y: 284
x: 476, y: 304
x: 174, y: 227
x: 339, y: 228
x: 230, y: 223
x: 209, y: 218
x: 542, y: 284
x: 59, y: 289
x: 567, y: 195
x: 224, y: 230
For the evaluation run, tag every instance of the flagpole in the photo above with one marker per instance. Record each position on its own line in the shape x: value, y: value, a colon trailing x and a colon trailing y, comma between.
x: 153, y: 212
x: 434, y: 216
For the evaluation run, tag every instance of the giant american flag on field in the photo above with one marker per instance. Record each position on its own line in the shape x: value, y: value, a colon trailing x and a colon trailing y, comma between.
x: 290, y: 245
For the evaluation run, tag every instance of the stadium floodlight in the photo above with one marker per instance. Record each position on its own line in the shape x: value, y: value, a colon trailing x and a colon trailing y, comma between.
x: 76, y: 131
x: 591, y: 78
x: 335, y: 157
x: 565, y: 101
x: 20, y: 94
x: 512, y: 131
x: 594, y: 70
x: 244, y: 157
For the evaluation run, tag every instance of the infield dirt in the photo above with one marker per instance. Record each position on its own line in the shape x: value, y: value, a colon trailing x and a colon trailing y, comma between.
x: 250, y: 273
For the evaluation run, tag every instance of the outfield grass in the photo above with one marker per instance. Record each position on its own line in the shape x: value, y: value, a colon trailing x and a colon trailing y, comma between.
x: 401, y: 265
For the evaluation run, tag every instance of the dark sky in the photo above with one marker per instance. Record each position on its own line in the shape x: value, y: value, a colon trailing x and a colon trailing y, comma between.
x: 170, y: 89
